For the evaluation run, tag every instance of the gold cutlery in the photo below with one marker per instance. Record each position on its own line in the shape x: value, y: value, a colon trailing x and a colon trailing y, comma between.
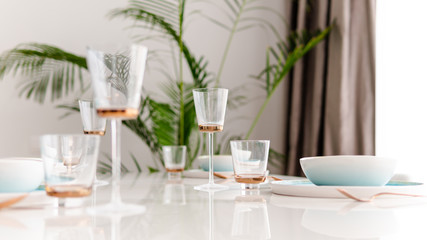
x: 12, y: 201
x: 347, y: 194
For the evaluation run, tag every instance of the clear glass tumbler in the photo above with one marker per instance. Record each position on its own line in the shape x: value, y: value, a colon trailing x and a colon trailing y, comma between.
x: 92, y: 123
x: 250, y: 158
x: 174, y: 158
x: 69, y: 164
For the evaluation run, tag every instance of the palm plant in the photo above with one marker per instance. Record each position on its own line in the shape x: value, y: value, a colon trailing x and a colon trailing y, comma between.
x: 170, y: 122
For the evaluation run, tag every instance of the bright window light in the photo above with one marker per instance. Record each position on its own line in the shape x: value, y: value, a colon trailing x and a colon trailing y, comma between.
x: 401, y: 85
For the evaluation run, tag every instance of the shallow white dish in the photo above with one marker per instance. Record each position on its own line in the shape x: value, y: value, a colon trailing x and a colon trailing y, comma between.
x: 304, y: 188
x: 20, y: 174
x: 348, y: 170
x: 34, y: 199
x: 200, y: 173
x: 222, y: 163
x: 196, y: 174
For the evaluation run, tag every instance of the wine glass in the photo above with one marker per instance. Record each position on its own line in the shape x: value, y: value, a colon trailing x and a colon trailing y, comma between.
x: 92, y: 125
x: 210, y: 106
x: 117, y: 76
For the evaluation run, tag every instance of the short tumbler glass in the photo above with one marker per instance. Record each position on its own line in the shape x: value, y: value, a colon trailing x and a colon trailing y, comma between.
x: 250, y: 158
x: 69, y: 164
x: 92, y: 123
x: 174, y: 158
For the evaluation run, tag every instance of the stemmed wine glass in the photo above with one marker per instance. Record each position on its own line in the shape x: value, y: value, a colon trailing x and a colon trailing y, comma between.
x: 210, y: 106
x: 92, y: 125
x: 117, y: 76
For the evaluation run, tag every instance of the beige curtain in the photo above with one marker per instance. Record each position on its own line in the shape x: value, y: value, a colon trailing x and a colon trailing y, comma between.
x: 331, y: 92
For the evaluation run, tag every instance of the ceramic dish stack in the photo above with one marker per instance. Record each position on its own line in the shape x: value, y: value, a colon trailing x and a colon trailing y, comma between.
x: 363, y: 176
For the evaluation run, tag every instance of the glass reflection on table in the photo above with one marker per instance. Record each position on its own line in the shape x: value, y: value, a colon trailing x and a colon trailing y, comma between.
x: 250, y: 218
x: 174, y: 193
x: 82, y: 227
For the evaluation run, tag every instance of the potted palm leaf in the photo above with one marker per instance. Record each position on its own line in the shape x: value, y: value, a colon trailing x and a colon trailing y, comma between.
x: 171, y: 120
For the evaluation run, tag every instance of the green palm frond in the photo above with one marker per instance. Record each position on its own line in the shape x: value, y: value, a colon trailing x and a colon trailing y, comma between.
x: 285, y: 56
x: 165, y: 117
x: 236, y: 8
x: 43, y: 67
x: 140, y: 126
x: 137, y: 165
x: 105, y: 166
x: 71, y: 108
x: 164, y: 16
x: 276, y: 159
x: 238, y: 18
x: 172, y: 124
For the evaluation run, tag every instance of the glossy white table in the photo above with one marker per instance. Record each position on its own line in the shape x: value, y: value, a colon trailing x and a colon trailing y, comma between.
x: 175, y: 211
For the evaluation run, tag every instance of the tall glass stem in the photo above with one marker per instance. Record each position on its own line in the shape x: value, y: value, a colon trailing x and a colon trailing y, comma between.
x: 116, y: 161
x: 210, y: 146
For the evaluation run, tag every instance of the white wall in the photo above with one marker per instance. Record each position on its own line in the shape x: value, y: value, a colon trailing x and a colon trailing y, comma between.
x: 401, y: 117
x: 72, y: 24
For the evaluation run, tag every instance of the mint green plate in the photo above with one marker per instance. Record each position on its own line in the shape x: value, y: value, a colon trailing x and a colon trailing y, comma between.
x: 304, y: 188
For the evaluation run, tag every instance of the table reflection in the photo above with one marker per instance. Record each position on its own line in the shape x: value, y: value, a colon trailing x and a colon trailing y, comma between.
x: 73, y: 227
x: 176, y: 211
x: 250, y: 218
x: 174, y: 192
x: 356, y: 224
x: 21, y: 224
x: 338, y: 219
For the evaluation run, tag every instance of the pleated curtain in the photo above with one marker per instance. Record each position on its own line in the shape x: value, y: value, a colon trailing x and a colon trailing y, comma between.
x: 330, y: 106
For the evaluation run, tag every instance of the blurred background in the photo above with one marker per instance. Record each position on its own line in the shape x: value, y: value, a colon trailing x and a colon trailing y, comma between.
x: 73, y: 25
x: 360, y: 91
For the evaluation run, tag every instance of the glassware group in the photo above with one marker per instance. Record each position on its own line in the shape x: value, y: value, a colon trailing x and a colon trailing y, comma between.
x: 117, y: 76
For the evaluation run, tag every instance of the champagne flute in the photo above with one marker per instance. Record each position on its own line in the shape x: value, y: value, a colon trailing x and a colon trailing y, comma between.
x: 117, y: 76
x: 92, y: 125
x: 210, y: 106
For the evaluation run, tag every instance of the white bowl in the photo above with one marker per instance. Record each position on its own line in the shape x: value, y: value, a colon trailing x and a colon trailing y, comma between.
x: 222, y: 163
x: 20, y: 174
x: 347, y: 170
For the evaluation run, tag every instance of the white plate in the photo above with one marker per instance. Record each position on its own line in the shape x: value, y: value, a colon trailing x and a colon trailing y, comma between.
x: 195, y: 174
x: 199, y: 173
x: 35, y: 198
x: 304, y: 188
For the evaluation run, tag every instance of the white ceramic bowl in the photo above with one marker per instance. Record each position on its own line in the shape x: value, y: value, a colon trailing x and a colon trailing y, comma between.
x: 20, y: 174
x: 222, y: 163
x: 348, y: 170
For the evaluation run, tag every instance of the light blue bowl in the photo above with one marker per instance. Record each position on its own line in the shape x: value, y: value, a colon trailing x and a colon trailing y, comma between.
x: 20, y: 174
x: 347, y: 170
x: 222, y: 163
